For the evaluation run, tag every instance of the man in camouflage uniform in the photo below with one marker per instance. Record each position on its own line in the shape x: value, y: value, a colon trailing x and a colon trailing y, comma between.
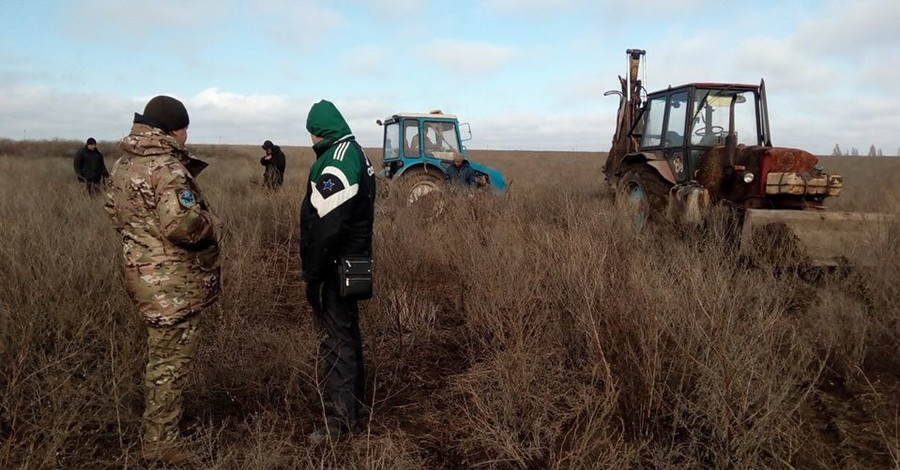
x: 170, y: 251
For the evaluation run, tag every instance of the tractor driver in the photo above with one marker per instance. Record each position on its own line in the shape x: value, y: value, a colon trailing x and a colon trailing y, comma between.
x: 413, y: 149
x: 439, y: 144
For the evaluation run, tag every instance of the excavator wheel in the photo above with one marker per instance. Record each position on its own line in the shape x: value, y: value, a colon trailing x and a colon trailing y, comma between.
x: 645, y: 192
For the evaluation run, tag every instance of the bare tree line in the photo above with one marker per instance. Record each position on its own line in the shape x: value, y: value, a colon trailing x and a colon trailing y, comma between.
x: 854, y: 152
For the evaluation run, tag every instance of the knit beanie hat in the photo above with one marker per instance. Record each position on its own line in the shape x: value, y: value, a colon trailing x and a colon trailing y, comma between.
x: 91, y: 141
x: 268, y: 145
x: 164, y: 112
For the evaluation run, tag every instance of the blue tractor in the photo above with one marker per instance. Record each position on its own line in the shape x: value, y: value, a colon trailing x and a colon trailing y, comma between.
x: 419, y: 148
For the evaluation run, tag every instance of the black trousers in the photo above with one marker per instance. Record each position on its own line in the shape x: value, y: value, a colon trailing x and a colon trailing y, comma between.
x: 273, y: 178
x: 340, y: 349
x: 94, y: 187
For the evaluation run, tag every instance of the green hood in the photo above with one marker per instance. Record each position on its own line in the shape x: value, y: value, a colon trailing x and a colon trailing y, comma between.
x: 325, y: 121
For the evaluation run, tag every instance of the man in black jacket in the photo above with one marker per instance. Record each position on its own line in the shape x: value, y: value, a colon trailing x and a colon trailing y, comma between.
x: 90, y: 168
x: 336, y: 219
x: 460, y: 172
x: 274, y: 162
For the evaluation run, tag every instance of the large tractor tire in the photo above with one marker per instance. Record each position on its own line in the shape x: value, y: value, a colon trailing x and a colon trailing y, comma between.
x: 421, y: 183
x: 643, y: 191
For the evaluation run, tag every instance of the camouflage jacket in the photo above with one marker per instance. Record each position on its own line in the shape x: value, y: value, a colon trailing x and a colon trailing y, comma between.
x: 170, y: 238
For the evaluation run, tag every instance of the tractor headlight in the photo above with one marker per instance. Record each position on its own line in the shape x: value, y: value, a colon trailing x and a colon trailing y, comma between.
x: 749, y: 177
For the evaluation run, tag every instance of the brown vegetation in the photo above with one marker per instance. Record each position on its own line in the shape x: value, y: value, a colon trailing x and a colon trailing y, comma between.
x: 531, y: 330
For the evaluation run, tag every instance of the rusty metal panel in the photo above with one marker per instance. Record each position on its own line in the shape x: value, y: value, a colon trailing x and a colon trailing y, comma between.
x: 800, y: 184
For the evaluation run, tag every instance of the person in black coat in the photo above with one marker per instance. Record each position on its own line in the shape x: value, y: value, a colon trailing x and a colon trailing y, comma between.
x: 460, y: 172
x: 274, y: 162
x: 90, y: 168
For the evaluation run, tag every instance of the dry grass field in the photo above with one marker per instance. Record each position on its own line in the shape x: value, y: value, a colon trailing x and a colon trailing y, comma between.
x: 528, y: 331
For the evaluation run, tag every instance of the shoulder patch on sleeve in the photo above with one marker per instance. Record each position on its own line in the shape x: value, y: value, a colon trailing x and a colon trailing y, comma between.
x: 329, y: 185
x: 187, y: 199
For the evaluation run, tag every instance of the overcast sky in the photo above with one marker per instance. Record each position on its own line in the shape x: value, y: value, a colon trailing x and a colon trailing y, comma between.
x: 527, y: 74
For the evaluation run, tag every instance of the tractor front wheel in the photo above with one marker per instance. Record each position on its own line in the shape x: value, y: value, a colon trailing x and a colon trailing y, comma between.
x: 644, y: 191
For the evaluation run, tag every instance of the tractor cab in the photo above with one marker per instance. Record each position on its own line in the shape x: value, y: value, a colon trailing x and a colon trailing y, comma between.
x: 678, y: 151
x: 425, y: 145
x: 682, y: 124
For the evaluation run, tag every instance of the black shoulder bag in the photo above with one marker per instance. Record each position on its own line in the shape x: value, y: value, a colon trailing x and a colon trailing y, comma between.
x: 356, y: 277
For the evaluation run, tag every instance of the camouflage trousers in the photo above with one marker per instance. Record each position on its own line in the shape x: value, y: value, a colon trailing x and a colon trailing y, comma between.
x: 172, y: 349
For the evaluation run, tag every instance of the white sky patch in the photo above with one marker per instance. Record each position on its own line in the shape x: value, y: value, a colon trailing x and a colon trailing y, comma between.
x: 367, y: 61
x: 522, y: 131
x: 394, y: 8
x: 299, y: 24
x: 785, y: 65
x: 585, y: 87
x: 530, y: 6
x: 246, y: 121
x: 96, y: 20
x: 255, y: 107
x: 464, y: 58
x: 530, y: 71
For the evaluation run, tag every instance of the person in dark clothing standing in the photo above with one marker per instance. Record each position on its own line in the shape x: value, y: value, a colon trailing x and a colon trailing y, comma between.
x: 460, y: 172
x: 336, y: 218
x: 90, y: 168
x: 274, y: 162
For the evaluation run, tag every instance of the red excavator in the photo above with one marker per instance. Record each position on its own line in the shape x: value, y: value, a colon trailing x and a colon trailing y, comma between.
x: 678, y: 151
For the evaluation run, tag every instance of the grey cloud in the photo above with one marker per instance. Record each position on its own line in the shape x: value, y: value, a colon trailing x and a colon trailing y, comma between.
x: 124, y: 20
x: 219, y: 116
x: 855, y: 28
x: 42, y: 113
x: 814, y: 121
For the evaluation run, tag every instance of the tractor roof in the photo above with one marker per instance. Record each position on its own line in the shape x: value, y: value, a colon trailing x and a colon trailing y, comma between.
x: 733, y: 86
x: 423, y: 115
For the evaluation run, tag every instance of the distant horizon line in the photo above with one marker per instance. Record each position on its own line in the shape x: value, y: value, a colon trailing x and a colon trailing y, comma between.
x: 189, y: 144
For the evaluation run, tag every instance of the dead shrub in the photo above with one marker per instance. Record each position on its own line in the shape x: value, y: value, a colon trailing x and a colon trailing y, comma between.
x: 535, y: 329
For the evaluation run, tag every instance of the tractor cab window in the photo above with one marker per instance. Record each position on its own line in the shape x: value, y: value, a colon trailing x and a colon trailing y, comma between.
x: 411, y: 138
x: 653, y: 115
x: 392, y: 141
x: 709, y: 124
x: 678, y: 104
x: 441, y: 139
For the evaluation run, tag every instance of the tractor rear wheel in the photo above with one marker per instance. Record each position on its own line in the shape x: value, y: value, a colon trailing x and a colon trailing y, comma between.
x: 422, y: 183
x: 644, y: 191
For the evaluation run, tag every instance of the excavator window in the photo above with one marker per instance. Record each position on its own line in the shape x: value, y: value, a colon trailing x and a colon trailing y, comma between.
x: 654, y: 112
x: 710, y: 122
x: 675, y: 122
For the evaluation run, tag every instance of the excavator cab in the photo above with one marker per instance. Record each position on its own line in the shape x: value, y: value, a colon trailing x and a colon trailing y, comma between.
x: 683, y: 123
